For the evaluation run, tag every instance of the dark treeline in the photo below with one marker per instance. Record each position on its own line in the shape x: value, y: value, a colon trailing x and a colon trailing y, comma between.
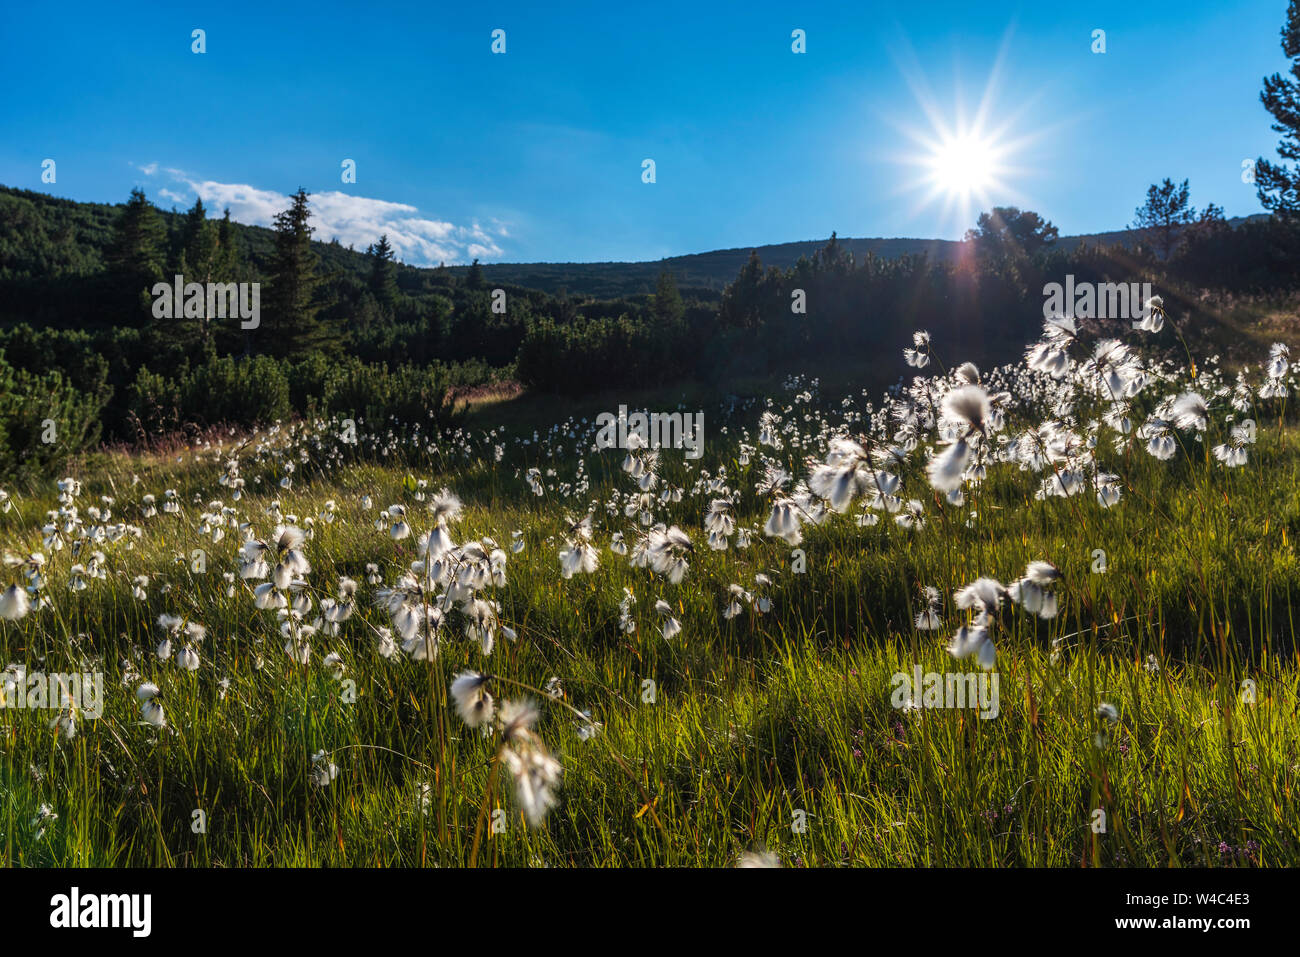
x: 340, y: 331
x: 833, y: 307
x: 361, y: 335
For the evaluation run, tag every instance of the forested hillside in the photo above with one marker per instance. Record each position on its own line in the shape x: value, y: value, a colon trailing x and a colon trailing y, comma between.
x: 356, y: 333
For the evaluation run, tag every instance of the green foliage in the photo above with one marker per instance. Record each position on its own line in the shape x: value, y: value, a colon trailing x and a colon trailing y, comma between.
x: 44, y: 421
x: 230, y: 390
x: 292, y: 327
x: 1008, y: 232
x: 1278, y: 184
x: 332, y: 315
x: 1164, y: 214
x: 753, y: 719
x: 383, y: 273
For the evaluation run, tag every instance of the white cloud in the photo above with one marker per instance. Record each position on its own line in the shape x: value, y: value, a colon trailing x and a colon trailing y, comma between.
x: 355, y: 221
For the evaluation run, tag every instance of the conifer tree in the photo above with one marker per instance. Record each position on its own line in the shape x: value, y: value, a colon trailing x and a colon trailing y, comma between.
x: 1278, y: 184
x: 291, y: 299
x: 383, y: 273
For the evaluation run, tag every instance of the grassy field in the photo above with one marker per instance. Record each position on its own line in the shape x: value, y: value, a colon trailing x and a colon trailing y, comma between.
x: 1150, y: 721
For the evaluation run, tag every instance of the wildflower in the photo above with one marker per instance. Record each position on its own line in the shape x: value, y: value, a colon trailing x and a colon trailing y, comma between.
x: 666, y: 553
x: 1279, y: 360
x: 945, y: 469
x: 982, y: 594
x: 783, y: 523
x: 384, y: 643
x: 734, y: 606
x: 578, y: 557
x: 1233, y: 452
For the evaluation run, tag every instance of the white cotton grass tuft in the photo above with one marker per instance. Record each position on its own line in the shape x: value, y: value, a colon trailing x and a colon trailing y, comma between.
x: 446, y: 507
x: 968, y: 405
x: 973, y: 641
x: 981, y: 594
x: 473, y: 702
x: 947, y: 467
x: 151, y: 708
x: 14, y: 603
x: 536, y: 773
x: 1190, y: 412
x: 1279, y: 360
x: 1042, y: 573
x: 927, y: 619
x: 1153, y: 315
x: 671, y: 627
x: 323, y: 771
x: 783, y: 523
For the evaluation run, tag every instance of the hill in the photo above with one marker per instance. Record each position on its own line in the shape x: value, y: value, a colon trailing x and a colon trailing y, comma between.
x: 76, y: 234
x: 711, y: 272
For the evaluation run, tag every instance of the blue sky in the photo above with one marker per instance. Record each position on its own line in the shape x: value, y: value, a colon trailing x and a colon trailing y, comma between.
x: 537, y: 154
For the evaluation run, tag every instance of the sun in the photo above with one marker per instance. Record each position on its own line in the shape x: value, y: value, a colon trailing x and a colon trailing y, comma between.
x: 964, y: 167
x: 967, y: 151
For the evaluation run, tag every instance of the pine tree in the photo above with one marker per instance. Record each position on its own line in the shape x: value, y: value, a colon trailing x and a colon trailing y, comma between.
x: 1009, y: 232
x: 1278, y: 184
x: 291, y: 297
x: 833, y: 258
x: 1164, y: 214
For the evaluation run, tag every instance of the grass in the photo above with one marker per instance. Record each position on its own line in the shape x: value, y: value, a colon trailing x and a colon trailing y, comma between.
x: 763, y: 732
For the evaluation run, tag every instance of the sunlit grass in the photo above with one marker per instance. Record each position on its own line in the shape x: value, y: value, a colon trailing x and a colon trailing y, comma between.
x: 763, y: 732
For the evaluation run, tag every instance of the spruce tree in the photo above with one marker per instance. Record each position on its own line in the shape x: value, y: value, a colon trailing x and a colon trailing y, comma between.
x: 291, y: 299
x: 383, y: 273
x: 474, y: 280
x: 137, y: 248
x: 135, y: 258
x: 198, y: 245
